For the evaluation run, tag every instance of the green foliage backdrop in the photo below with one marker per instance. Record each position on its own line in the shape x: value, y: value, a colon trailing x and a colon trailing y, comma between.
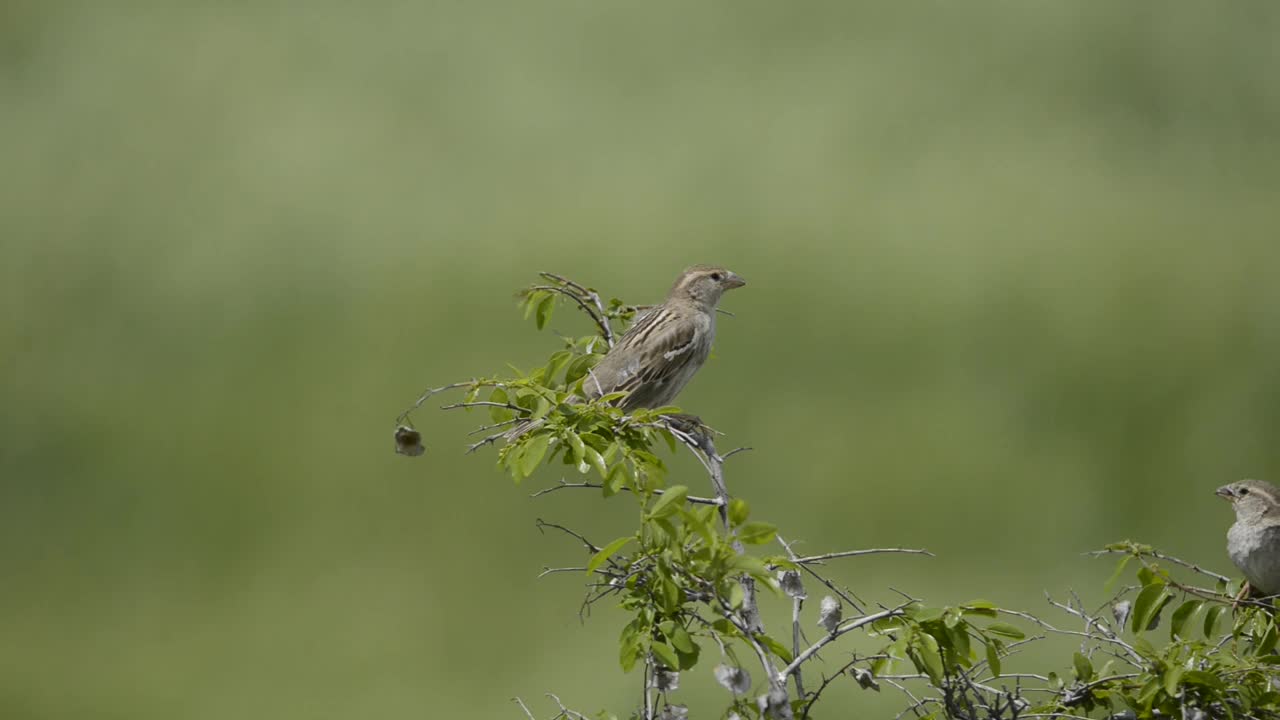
x: 1012, y: 296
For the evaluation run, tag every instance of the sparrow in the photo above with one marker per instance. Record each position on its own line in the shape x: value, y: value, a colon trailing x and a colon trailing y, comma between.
x: 664, y: 347
x: 1253, y: 542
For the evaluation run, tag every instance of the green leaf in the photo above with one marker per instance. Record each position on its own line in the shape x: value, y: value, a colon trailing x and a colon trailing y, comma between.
x: 736, y: 595
x: 1005, y: 630
x: 615, y: 480
x: 689, y: 658
x: 738, y: 511
x: 993, y: 659
x: 681, y: 641
x: 556, y: 364
x: 958, y: 637
x: 671, y: 596
x: 534, y: 451
x: 545, y: 308
x: 594, y: 458
x: 1267, y: 643
x: 1181, y: 615
x: 671, y: 439
x: 607, y: 552
x: 628, y: 654
x: 666, y: 655
x: 981, y: 608
x: 670, y: 501
x: 930, y: 657
x: 1116, y: 575
x: 757, y: 533
x: 1148, y: 604
x: 1145, y: 648
x: 1206, y: 679
x: 578, y: 368
x: 1084, y: 668
x: 1145, y: 576
x: 776, y: 647
x: 499, y: 414
x: 1211, y: 620
x: 530, y: 301
x: 542, y: 407
x: 750, y: 564
x: 575, y: 444
x: 1172, y: 677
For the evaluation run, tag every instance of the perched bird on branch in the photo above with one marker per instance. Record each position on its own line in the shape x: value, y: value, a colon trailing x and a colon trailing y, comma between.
x: 664, y: 347
x: 1253, y: 542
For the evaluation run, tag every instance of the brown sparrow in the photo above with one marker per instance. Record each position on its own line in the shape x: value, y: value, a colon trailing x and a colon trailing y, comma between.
x: 664, y: 347
x: 1253, y: 542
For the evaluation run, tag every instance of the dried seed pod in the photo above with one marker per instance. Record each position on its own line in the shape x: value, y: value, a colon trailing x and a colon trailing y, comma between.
x: 829, y: 614
x: 734, y: 679
x: 409, y: 441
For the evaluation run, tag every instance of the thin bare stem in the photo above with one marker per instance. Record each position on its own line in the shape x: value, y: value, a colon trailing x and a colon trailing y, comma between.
x: 485, y: 441
x: 562, y: 485
x: 592, y: 547
x: 494, y: 426
x: 581, y: 295
x: 1161, y: 556
x: 847, y: 626
x: 566, y: 712
x: 524, y: 707
x: 858, y: 553
x: 483, y: 403
x: 426, y: 394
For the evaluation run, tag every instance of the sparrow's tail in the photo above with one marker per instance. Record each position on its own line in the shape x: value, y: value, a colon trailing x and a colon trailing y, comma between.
x: 522, y: 428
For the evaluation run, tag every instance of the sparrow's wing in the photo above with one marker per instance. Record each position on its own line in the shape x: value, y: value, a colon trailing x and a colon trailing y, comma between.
x: 654, y: 359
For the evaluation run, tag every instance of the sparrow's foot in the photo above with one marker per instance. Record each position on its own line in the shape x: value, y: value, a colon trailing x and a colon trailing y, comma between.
x: 693, y: 426
x: 1245, y: 591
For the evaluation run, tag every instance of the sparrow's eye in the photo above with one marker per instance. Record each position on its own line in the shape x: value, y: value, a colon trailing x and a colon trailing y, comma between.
x: 1244, y: 491
x: 717, y: 276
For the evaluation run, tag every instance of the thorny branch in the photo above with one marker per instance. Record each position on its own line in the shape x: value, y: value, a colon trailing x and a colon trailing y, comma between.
x: 965, y: 691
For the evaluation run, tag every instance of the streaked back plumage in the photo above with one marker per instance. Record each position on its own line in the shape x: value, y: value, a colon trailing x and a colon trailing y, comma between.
x: 667, y: 345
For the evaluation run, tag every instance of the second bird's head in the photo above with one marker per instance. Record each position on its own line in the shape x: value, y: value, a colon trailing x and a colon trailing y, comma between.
x: 705, y: 284
x: 1250, y: 498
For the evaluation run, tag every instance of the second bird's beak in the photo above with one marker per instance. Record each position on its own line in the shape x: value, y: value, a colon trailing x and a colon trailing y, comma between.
x: 1225, y: 493
x: 734, y: 281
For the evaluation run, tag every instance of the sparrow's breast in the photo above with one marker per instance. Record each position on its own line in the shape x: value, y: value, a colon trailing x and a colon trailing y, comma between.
x: 1255, y: 549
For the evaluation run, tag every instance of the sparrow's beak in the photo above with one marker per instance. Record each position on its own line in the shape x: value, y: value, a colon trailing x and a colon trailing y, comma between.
x: 1225, y: 493
x: 734, y: 281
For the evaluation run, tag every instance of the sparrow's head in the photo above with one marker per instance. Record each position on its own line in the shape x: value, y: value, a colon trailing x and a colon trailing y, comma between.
x: 1251, y: 499
x: 705, y: 284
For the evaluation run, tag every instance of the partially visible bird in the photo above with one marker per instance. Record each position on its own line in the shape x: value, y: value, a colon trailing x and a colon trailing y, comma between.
x: 1253, y: 542
x: 664, y: 347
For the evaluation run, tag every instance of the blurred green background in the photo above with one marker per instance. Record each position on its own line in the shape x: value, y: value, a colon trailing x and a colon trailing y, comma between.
x: 1012, y: 296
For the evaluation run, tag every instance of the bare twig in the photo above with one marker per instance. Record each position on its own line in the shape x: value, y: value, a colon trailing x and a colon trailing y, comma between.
x: 648, y: 699
x: 553, y: 570
x: 843, y: 628
x: 485, y: 441
x: 483, y: 403
x: 1161, y: 556
x: 581, y: 295
x: 524, y: 707
x: 592, y: 547
x: 811, y: 701
x: 494, y: 426
x: 566, y: 712
x: 562, y: 485
x: 426, y: 394
x: 858, y: 553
